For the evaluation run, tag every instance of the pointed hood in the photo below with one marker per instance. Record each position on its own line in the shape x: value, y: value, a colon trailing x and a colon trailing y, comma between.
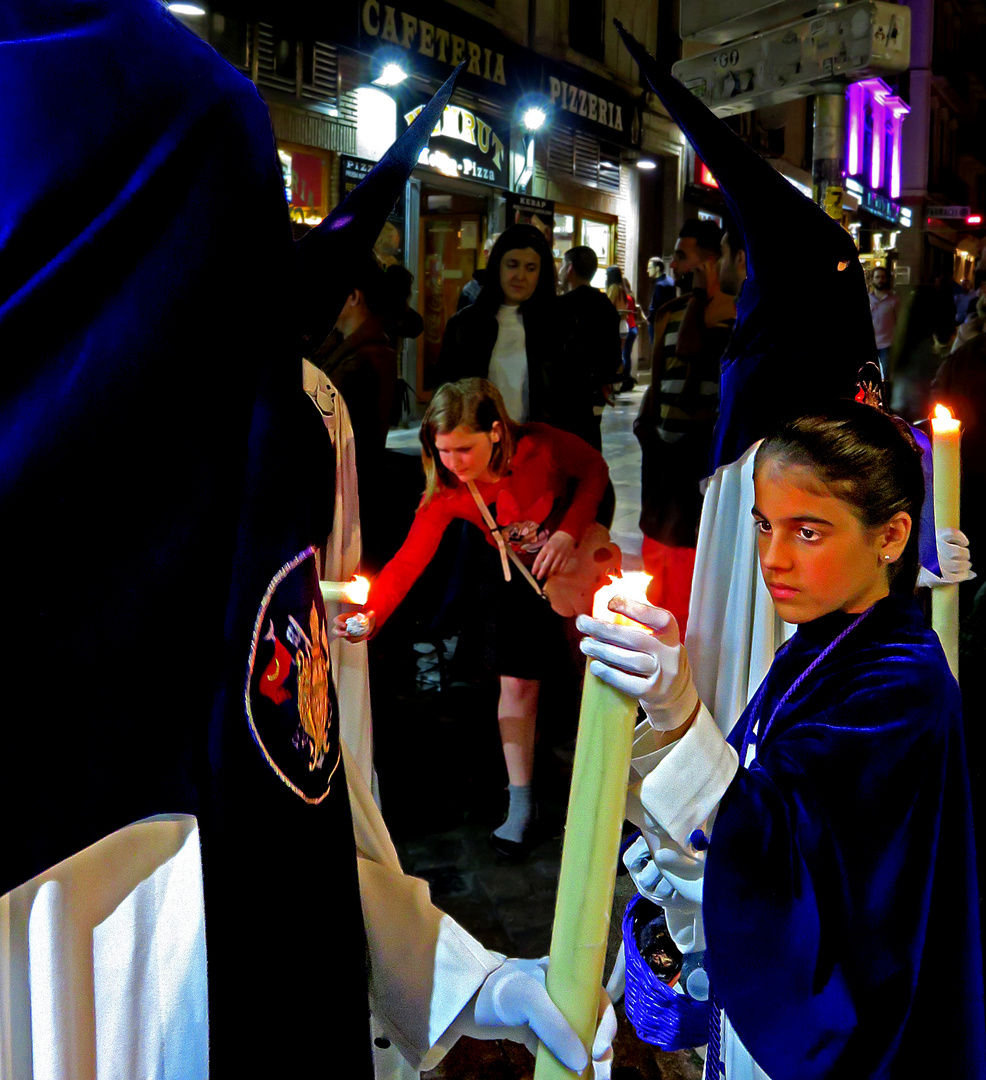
x: 326, y: 255
x: 803, y: 326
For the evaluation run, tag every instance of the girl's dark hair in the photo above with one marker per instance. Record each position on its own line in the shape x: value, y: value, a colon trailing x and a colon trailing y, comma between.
x: 475, y: 404
x: 614, y: 276
x: 866, y: 458
x: 515, y: 238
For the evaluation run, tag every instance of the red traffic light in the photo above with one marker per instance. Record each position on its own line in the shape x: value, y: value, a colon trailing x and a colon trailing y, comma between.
x: 974, y: 219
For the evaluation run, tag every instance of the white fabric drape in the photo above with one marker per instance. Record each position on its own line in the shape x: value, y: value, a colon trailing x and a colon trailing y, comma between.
x: 342, y: 556
x: 733, y: 628
x: 103, y: 958
x: 102, y: 962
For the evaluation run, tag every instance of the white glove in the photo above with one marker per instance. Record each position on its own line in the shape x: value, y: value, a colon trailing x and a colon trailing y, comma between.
x: 513, y: 997
x: 650, y: 665
x: 954, y: 560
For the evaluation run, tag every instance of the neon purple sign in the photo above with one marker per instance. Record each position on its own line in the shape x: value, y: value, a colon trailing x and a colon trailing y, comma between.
x: 886, y: 113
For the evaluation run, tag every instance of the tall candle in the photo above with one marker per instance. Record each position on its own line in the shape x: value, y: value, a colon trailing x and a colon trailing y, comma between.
x: 596, y: 809
x: 347, y: 592
x: 946, y: 436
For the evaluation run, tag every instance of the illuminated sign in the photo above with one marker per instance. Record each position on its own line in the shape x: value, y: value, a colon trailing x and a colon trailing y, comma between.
x: 882, y: 207
x: 388, y: 23
x: 703, y: 174
x: 574, y: 99
x: 460, y: 127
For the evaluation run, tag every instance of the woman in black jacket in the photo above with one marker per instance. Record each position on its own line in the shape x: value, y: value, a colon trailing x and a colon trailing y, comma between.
x: 505, y: 336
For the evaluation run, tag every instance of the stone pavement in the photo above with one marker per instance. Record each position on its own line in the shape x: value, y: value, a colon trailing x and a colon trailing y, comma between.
x: 442, y: 784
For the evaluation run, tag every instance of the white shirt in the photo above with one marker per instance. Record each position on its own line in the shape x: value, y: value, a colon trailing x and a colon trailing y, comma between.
x: 508, y: 364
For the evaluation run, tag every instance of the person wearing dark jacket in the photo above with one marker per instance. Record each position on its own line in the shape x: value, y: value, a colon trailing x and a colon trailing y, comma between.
x: 359, y: 359
x: 591, y: 352
x: 357, y: 356
x: 505, y: 335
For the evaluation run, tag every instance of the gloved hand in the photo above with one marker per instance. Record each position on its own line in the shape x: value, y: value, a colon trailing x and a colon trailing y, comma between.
x: 513, y: 997
x: 954, y: 560
x: 650, y: 665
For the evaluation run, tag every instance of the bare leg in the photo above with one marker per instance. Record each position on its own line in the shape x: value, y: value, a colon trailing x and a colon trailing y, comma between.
x: 517, y: 713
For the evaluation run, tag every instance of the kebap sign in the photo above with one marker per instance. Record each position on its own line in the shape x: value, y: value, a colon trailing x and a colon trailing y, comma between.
x: 464, y: 144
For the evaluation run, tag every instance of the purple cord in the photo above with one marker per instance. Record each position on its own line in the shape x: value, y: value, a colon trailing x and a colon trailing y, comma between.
x: 749, y: 737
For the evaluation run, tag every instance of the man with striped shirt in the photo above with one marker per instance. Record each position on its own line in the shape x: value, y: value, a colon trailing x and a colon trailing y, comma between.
x: 677, y: 416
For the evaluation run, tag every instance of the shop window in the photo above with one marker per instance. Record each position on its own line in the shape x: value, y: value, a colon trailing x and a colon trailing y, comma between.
x: 305, y: 172
x: 599, y: 236
x: 585, y: 27
x: 578, y: 229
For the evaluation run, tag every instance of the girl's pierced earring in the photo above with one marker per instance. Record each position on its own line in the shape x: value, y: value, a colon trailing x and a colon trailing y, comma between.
x: 886, y: 558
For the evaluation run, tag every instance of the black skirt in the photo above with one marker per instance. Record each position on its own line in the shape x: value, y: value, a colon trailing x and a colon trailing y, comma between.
x: 523, y: 634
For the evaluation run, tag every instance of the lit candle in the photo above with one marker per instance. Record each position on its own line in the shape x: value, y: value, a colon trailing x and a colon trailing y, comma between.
x: 947, y: 471
x: 346, y: 592
x: 596, y: 809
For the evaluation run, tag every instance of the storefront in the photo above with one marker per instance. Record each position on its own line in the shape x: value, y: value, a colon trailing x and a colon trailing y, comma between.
x: 457, y: 195
x: 588, y: 164
x: 456, y: 191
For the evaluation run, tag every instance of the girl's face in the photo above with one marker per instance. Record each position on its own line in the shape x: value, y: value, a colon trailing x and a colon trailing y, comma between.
x: 519, y: 270
x: 815, y: 555
x: 466, y: 453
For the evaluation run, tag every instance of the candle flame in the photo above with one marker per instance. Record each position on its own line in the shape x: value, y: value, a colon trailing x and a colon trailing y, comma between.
x: 632, y: 586
x: 358, y: 590
x: 942, y: 422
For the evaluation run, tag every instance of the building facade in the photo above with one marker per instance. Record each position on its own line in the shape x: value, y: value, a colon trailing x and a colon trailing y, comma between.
x: 342, y: 81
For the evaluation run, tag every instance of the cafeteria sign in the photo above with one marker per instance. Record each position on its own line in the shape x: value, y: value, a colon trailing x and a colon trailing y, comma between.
x: 464, y: 145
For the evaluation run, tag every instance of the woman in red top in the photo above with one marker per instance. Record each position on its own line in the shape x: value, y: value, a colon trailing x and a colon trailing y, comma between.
x: 541, y: 488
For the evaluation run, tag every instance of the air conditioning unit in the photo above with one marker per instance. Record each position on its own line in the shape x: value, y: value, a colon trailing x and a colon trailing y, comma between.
x: 719, y: 21
x: 793, y: 61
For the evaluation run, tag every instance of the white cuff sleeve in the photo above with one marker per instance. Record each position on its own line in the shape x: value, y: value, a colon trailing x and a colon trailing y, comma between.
x: 683, y: 783
x: 424, y: 967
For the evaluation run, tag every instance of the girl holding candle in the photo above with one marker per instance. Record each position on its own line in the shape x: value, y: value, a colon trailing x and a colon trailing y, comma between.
x: 829, y: 838
x: 539, y: 488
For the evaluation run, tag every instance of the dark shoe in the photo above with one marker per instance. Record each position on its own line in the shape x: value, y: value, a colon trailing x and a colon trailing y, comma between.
x: 517, y: 850
x: 627, y: 384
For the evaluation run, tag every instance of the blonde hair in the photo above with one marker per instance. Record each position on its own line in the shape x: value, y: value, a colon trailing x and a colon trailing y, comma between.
x: 474, y: 404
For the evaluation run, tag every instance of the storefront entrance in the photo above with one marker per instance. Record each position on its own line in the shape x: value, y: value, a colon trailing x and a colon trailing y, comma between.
x: 450, y: 248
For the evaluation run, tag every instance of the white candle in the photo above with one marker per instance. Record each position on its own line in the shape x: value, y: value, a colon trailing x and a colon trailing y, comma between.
x: 596, y: 808
x: 945, y: 444
x: 346, y: 592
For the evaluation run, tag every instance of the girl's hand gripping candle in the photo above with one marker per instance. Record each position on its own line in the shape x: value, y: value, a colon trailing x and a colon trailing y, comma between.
x: 592, y: 839
x: 652, y: 667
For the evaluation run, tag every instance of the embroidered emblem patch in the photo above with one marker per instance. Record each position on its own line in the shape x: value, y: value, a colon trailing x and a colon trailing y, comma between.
x: 290, y: 699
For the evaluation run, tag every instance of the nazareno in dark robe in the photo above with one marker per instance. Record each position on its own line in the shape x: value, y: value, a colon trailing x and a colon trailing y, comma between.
x: 840, y: 899
x: 160, y: 466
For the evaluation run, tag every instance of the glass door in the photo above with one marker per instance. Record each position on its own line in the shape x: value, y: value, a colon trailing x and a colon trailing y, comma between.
x: 450, y: 246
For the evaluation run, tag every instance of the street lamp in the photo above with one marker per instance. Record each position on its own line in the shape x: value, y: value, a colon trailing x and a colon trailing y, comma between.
x: 534, y: 118
x: 391, y: 74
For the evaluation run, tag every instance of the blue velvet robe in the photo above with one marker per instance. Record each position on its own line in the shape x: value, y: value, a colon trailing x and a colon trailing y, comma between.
x: 159, y: 466
x: 841, y: 906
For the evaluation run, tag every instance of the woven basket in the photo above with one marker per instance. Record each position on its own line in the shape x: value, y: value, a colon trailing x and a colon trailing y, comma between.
x: 659, y: 1014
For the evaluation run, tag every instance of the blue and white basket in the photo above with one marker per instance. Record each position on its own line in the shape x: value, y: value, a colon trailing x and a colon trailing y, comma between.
x: 660, y: 1015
